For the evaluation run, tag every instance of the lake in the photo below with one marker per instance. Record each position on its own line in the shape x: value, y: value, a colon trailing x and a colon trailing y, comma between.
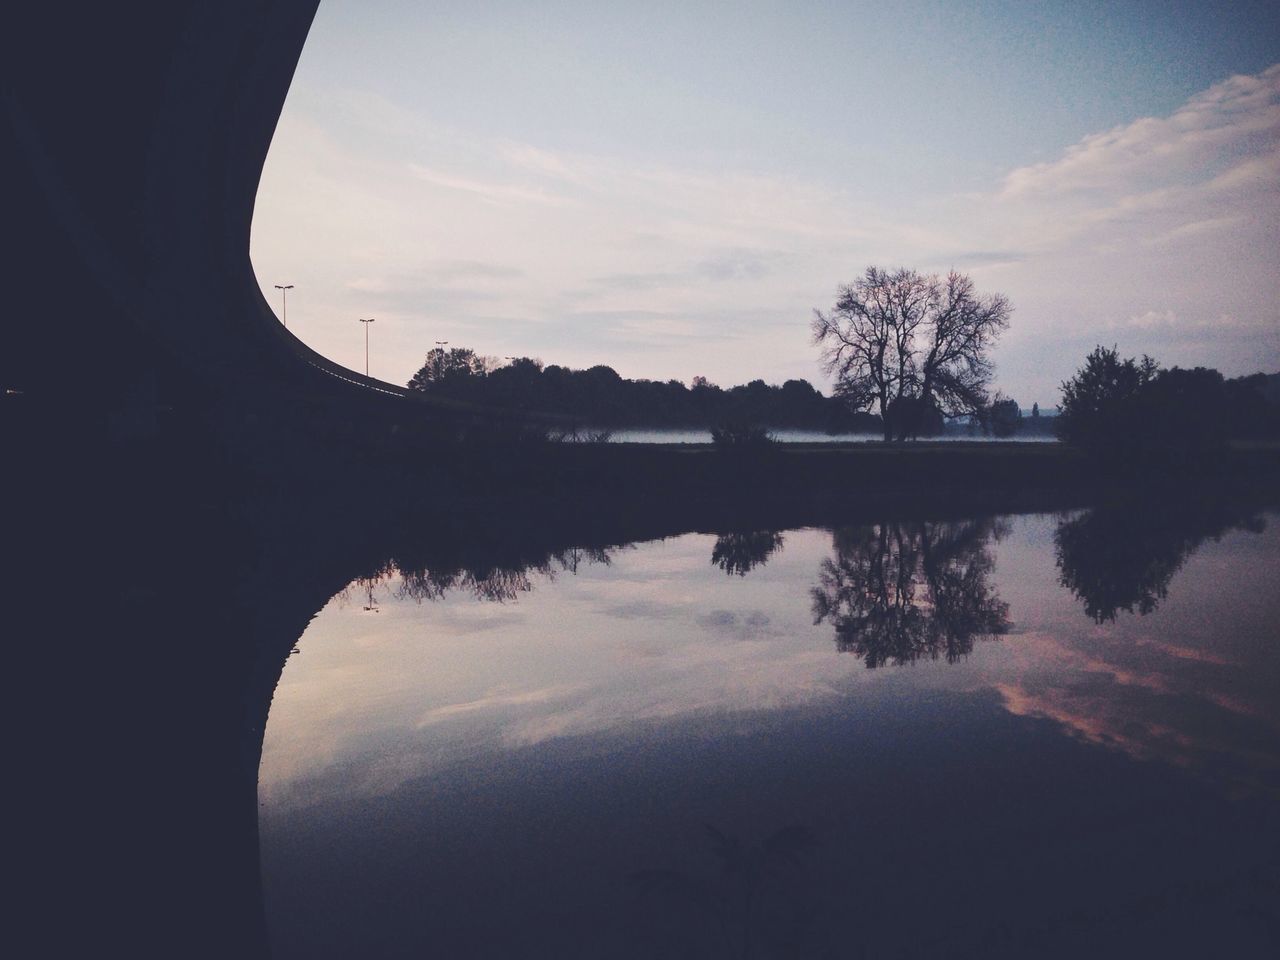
x: 1030, y: 735
x: 802, y: 436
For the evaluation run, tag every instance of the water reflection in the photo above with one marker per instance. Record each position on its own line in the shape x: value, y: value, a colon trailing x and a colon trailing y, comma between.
x: 424, y: 579
x: 756, y: 901
x: 531, y: 775
x: 898, y: 592
x: 1122, y: 556
x: 740, y: 553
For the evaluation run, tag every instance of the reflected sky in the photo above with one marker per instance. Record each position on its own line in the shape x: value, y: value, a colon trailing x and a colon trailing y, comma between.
x: 572, y: 702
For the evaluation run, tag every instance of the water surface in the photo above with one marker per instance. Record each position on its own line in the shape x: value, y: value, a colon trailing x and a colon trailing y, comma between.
x: 803, y: 436
x: 1028, y: 735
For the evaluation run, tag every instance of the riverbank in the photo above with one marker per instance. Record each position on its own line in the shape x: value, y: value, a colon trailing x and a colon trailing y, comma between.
x: 1008, y: 475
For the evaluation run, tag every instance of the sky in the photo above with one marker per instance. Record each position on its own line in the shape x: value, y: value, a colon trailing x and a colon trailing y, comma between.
x: 672, y: 188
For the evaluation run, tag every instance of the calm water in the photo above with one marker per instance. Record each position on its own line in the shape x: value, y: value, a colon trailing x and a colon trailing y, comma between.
x: 795, y: 436
x: 1016, y: 736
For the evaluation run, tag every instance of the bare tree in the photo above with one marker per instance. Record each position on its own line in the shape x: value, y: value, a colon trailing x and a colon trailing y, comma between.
x: 908, y: 343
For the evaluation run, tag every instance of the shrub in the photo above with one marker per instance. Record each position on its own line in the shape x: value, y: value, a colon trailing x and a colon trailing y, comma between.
x: 741, y: 436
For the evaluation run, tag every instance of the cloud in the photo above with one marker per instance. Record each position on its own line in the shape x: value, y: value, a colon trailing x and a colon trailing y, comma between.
x: 491, y: 192
x: 1160, y: 235
x: 1154, y: 319
x: 495, y: 700
x: 739, y: 265
x: 985, y: 258
x: 638, y: 281
x: 1209, y: 130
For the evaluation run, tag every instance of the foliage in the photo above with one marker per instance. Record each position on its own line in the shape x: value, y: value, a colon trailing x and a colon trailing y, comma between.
x: 895, y: 337
x: 1122, y: 556
x: 1131, y: 410
x: 741, y: 552
x: 450, y: 366
x: 580, y: 435
x: 899, y: 592
x: 1100, y: 404
x: 740, y: 436
x: 600, y: 397
x: 1005, y: 416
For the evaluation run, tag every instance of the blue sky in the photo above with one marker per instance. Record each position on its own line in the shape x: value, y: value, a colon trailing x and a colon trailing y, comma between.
x: 672, y: 188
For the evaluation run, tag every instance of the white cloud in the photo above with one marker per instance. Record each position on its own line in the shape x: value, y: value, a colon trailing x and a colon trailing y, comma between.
x: 1206, y: 131
x: 492, y: 192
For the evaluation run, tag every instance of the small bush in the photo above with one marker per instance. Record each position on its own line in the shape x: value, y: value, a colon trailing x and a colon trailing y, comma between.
x: 741, y: 436
x: 578, y: 435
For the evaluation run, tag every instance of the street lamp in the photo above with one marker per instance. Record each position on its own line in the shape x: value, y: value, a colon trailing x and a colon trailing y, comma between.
x: 366, y: 323
x: 284, y: 302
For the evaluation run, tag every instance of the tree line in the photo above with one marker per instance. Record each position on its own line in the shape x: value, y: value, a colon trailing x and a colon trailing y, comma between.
x: 1130, y: 410
x: 599, y: 396
x: 909, y: 356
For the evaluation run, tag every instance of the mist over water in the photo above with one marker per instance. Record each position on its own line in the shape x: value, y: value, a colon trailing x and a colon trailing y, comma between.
x: 800, y: 436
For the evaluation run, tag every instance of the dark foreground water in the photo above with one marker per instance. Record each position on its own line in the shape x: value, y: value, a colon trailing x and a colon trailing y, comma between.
x: 1029, y: 736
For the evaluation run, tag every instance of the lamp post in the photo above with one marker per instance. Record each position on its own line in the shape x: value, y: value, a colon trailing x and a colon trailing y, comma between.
x: 366, y: 323
x: 440, y: 344
x: 284, y: 302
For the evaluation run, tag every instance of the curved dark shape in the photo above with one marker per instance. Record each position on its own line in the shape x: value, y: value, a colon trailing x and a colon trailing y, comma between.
x: 139, y: 135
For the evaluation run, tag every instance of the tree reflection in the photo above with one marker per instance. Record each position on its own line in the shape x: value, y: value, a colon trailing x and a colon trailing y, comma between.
x: 898, y: 592
x: 426, y: 577
x: 1121, y: 556
x: 742, y: 552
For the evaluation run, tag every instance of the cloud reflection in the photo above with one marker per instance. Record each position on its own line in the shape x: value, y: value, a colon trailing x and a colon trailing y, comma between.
x: 637, y: 641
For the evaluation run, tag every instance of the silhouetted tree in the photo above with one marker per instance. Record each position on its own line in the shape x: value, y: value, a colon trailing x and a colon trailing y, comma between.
x: 1005, y: 417
x: 915, y: 417
x: 448, y: 366
x: 897, y: 592
x: 742, y: 552
x: 1125, y: 411
x: 902, y: 336
x: 1099, y: 404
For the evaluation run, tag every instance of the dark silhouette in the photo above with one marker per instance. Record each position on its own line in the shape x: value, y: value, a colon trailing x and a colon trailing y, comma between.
x: 741, y: 553
x: 740, y: 436
x: 912, y: 343
x: 1006, y: 418
x: 600, y: 397
x: 445, y: 367
x: 899, y: 592
x: 1131, y: 412
x: 1122, y: 555
x: 494, y: 578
